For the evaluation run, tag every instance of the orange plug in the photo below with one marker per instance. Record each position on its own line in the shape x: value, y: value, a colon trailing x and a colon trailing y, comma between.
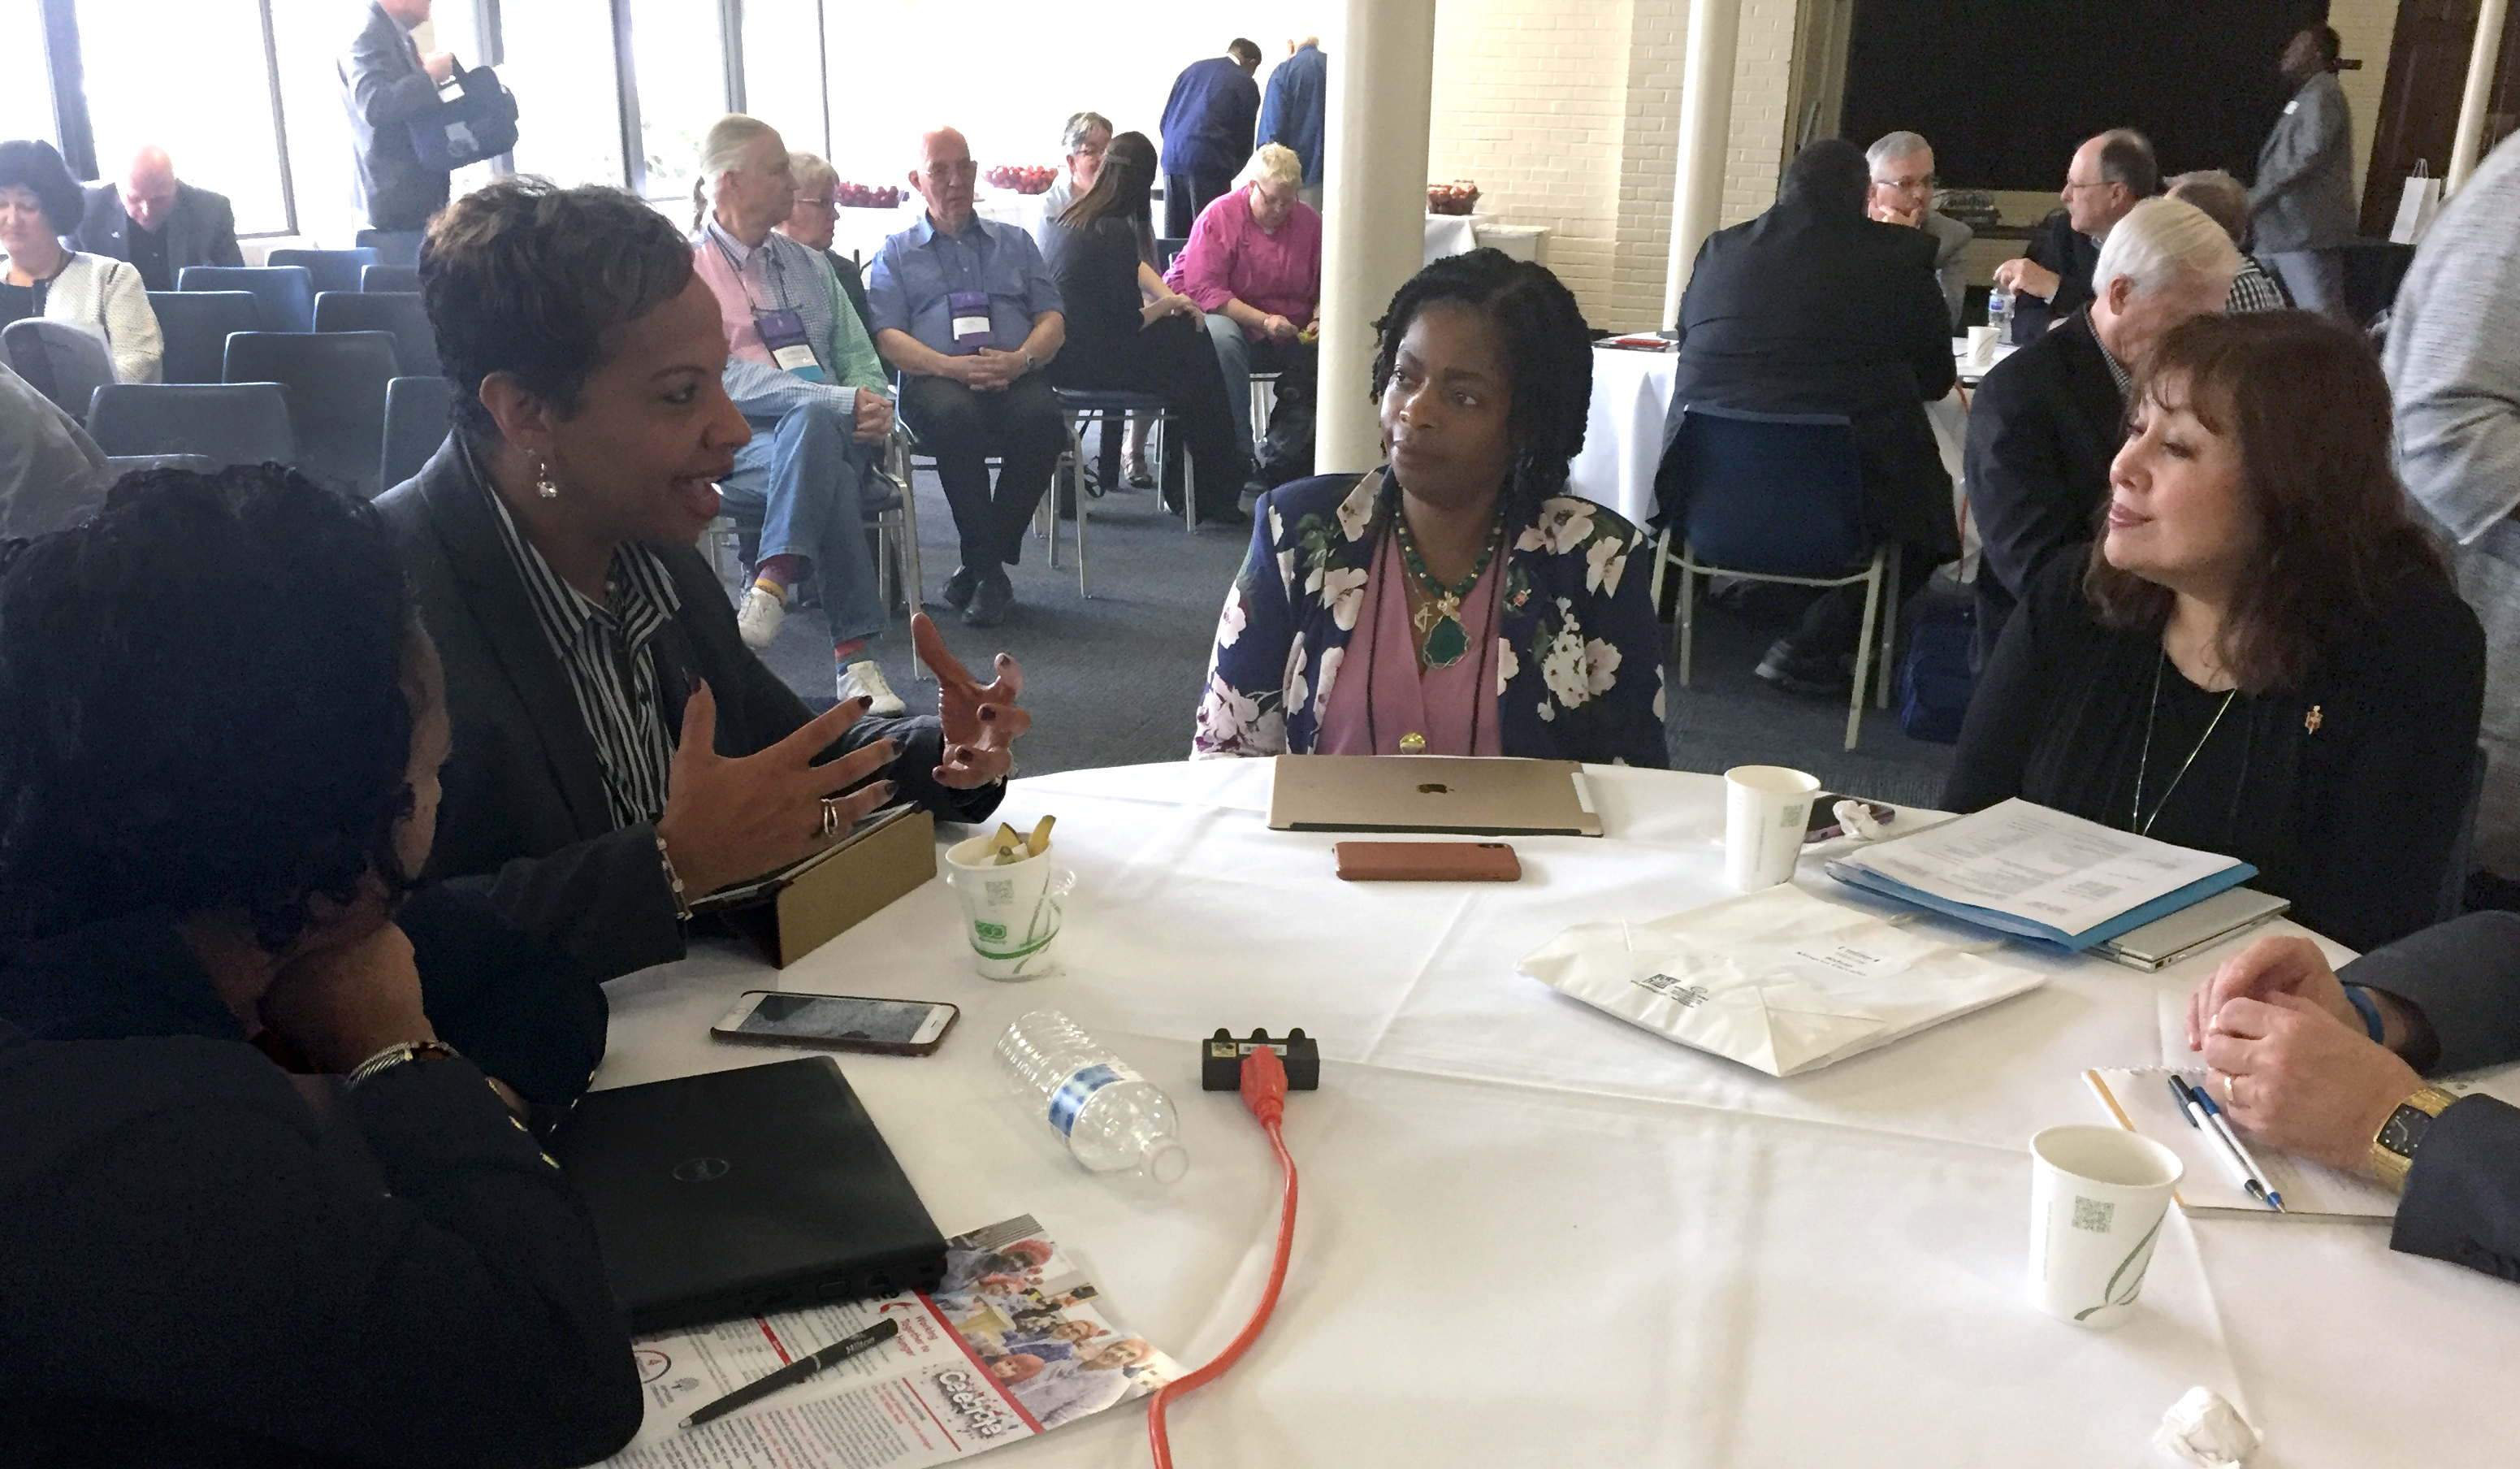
x: 1264, y: 1083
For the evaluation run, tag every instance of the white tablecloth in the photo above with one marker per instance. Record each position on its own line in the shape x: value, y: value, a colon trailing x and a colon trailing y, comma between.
x: 1534, y: 1234
x: 1460, y: 234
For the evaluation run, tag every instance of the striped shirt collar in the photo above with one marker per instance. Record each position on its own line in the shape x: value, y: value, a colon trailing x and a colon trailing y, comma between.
x: 606, y: 650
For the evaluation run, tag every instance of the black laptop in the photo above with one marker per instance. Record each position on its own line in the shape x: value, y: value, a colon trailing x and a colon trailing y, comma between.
x: 740, y: 1192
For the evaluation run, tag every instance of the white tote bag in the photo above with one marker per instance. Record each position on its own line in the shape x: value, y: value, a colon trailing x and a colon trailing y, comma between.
x: 2417, y: 206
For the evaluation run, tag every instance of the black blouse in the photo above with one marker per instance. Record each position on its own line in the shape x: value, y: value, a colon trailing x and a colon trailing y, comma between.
x: 1096, y: 268
x: 2346, y: 794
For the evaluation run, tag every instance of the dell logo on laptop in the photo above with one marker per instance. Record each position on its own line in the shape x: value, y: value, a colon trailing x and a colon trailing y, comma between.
x: 702, y: 1170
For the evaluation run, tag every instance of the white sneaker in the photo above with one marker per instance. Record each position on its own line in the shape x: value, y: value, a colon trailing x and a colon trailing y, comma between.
x: 759, y: 615
x: 864, y: 677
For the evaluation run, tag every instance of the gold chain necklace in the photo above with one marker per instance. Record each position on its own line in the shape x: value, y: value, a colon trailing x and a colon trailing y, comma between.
x: 2135, y: 808
x: 1442, y: 639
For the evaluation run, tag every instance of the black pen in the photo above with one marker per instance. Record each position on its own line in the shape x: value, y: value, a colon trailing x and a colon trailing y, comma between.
x: 798, y: 1370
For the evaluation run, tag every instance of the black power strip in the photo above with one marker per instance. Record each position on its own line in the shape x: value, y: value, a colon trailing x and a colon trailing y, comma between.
x: 1220, y: 1059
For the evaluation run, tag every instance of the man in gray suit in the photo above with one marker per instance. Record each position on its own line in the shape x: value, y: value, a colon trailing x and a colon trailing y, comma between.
x: 1903, y: 193
x: 2453, y: 365
x: 386, y: 83
x: 158, y: 223
x: 2303, y: 202
x: 2331, y: 1064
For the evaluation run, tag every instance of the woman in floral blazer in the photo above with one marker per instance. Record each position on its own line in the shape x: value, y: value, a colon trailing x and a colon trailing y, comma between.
x: 1484, y: 376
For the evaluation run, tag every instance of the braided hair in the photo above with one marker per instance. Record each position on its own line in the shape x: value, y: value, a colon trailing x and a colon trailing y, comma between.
x: 1548, y: 357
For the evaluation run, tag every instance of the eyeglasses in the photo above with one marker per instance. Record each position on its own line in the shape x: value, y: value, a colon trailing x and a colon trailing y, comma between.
x: 825, y: 205
x: 1908, y: 185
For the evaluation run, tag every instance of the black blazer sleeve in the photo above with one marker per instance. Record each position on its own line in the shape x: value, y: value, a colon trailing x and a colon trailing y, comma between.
x: 2020, y: 486
x: 2009, y: 707
x: 219, y: 230
x: 521, y: 1010
x: 2465, y: 976
x: 1925, y: 323
x: 386, y: 86
x: 2463, y: 1200
x: 460, y: 1318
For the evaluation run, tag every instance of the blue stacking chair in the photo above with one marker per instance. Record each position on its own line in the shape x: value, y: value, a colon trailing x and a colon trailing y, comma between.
x: 195, y: 326
x: 392, y: 247
x: 286, y: 294
x: 64, y: 361
x: 337, y: 398
x: 1776, y: 497
x: 224, y: 423
x: 390, y: 278
x: 418, y: 413
x: 331, y: 269
x: 396, y: 312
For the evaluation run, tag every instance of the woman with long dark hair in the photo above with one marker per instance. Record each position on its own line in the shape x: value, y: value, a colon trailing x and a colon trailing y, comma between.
x: 1457, y: 601
x: 1118, y: 337
x: 2263, y: 654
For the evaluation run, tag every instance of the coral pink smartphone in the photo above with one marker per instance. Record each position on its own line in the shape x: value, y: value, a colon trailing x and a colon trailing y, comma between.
x: 1427, y: 862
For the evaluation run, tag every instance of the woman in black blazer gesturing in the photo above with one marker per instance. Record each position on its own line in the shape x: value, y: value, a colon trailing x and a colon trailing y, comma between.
x: 618, y: 751
x: 2263, y: 655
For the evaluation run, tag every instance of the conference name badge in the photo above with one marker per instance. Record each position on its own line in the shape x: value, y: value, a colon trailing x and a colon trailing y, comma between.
x: 970, y: 312
x: 784, y: 332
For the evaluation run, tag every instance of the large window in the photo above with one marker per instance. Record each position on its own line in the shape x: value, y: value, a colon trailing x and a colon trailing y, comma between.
x: 680, y: 54
x: 783, y: 71
x: 201, y: 90
x: 558, y: 59
x: 25, y: 91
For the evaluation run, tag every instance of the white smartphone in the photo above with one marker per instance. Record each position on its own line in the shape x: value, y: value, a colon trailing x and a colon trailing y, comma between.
x: 838, y: 1022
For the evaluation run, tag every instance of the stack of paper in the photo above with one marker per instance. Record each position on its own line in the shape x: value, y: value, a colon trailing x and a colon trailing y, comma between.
x: 2041, y: 875
x: 2140, y: 1101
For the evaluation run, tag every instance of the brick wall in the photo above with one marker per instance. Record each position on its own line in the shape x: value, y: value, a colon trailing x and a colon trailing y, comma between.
x: 1568, y: 116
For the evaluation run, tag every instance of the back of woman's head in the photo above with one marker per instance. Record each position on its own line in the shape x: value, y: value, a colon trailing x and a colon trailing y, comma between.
x: 1120, y: 188
x: 1548, y: 349
x: 1829, y: 176
x: 202, y: 705
x: 524, y: 277
x: 2310, y: 411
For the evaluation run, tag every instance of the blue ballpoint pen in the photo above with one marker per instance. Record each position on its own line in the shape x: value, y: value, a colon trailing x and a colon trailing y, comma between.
x: 2195, y: 1106
x: 2223, y: 1126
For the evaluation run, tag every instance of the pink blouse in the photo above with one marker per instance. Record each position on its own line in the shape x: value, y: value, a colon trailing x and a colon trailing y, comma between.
x: 1229, y: 256
x: 1380, y: 692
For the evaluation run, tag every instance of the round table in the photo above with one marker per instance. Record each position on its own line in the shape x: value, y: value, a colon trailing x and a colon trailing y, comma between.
x: 1533, y: 1233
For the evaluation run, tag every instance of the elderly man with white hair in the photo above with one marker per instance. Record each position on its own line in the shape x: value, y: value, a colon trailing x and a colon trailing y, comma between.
x: 2048, y: 419
x: 1903, y: 193
x: 802, y: 368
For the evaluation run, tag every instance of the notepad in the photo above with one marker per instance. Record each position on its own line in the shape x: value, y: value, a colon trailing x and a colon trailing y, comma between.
x: 2140, y: 1101
x: 2056, y: 880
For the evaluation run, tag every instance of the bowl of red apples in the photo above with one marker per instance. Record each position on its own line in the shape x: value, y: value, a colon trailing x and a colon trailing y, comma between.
x: 1021, y: 178
x: 1459, y: 197
x: 866, y: 196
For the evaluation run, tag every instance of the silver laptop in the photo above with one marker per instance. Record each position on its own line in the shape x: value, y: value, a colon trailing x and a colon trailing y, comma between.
x: 1484, y: 797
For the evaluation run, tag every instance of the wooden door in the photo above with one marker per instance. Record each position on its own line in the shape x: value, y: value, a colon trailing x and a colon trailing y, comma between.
x: 2420, y: 107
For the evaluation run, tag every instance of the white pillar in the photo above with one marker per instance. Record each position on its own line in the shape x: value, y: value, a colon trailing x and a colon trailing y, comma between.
x: 1373, y: 213
x: 2481, y: 58
x: 1705, y: 130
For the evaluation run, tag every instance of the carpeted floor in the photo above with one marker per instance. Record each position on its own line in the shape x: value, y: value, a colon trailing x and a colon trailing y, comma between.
x: 1112, y: 680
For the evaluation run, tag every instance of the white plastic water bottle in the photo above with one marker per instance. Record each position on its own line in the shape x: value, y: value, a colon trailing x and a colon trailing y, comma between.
x: 1112, y: 1118
x: 1999, y: 314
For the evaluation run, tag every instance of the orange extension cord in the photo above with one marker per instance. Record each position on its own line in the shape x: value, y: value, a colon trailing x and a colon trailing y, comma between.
x: 1264, y: 1092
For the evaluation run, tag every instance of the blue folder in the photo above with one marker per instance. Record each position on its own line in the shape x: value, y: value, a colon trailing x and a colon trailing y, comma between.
x: 2046, y: 936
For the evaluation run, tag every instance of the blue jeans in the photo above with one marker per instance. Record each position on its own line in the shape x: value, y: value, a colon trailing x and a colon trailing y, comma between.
x: 805, y: 476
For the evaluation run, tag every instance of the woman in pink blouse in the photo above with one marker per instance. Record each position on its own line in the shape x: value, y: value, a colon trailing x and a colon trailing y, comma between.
x: 1253, y: 263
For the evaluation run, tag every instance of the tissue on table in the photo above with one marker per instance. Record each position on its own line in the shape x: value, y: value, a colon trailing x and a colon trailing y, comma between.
x: 2203, y: 1431
x: 1777, y: 979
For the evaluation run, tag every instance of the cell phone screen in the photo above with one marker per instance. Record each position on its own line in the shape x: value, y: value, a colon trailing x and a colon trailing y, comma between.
x: 826, y: 1017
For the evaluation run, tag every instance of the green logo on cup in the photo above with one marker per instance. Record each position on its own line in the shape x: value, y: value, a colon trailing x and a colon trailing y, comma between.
x: 995, y: 933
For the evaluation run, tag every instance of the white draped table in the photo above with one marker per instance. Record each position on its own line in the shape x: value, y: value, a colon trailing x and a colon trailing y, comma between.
x: 1532, y: 1234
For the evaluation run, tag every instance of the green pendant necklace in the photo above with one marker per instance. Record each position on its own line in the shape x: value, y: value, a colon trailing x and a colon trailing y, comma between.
x: 1442, y: 639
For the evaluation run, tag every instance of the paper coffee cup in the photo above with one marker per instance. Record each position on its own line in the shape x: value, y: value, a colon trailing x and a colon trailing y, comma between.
x: 2097, y: 1200
x: 1981, y: 344
x: 1010, y: 913
x: 1766, y: 808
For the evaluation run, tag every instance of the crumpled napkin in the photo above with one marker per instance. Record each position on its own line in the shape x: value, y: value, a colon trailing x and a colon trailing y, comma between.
x: 1778, y: 980
x: 2203, y: 1431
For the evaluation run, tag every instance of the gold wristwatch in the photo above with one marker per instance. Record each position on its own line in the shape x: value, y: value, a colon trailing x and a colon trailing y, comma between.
x: 2393, y: 1147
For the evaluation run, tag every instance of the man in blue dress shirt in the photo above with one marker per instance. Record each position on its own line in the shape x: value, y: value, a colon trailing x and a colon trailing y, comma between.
x: 969, y: 314
x: 1292, y: 112
x: 1207, y: 132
